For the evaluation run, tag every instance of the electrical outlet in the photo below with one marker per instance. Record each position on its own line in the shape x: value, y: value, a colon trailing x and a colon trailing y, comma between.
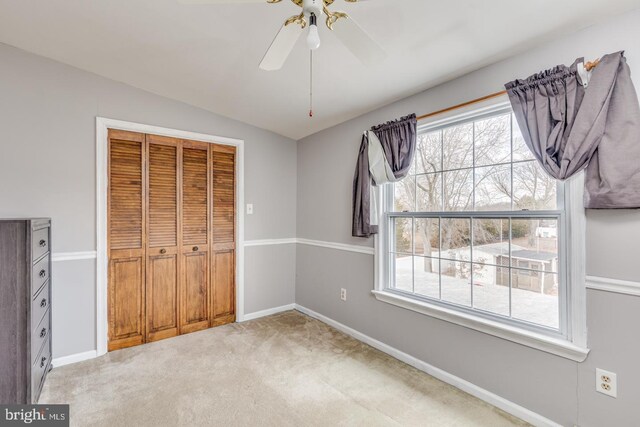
x: 343, y: 294
x: 606, y: 383
x: 249, y: 209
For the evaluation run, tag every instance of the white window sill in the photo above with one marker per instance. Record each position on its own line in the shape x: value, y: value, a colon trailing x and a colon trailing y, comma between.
x: 558, y: 347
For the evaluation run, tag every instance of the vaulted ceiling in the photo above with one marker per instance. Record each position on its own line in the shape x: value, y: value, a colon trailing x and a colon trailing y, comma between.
x: 208, y: 55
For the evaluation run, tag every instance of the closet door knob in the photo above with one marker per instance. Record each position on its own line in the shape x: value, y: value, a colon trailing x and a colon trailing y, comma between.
x: 43, y: 303
x: 43, y: 332
x: 195, y: 249
x: 43, y: 273
x: 163, y: 251
x: 43, y: 243
x: 42, y: 362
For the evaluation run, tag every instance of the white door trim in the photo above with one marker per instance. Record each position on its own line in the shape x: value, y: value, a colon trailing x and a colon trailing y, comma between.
x: 102, y: 127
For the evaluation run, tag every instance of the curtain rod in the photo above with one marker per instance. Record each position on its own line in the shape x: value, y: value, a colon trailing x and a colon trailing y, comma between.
x: 588, y: 66
x: 464, y: 104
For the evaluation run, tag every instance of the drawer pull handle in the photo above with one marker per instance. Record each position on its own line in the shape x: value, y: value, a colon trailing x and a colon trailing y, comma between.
x: 43, y: 273
x: 195, y: 249
x: 43, y: 243
x: 42, y: 362
x: 163, y: 251
x: 43, y: 332
x: 43, y: 303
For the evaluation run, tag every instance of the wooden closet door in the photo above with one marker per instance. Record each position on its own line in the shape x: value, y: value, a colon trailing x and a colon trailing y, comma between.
x: 163, y: 237
x: 223, y: 235
x: 194, y: 289
x: 126, y: 239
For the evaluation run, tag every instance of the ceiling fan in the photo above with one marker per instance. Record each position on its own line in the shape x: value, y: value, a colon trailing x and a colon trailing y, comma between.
x: 344, y: 27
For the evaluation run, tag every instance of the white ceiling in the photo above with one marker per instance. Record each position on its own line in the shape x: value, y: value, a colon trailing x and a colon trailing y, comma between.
x: 208, y: 55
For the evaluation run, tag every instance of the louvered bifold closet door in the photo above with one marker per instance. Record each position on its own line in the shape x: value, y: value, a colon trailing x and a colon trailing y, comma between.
x: 224, y: 235
x: 163, y: 237
x: 196, y: 184
x: 126, y: 239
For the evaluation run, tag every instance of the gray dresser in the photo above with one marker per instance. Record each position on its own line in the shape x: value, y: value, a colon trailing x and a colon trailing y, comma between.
x: 25, y: 308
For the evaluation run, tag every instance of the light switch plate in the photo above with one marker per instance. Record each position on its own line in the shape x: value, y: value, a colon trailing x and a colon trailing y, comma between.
x: 249, y: 209
x: 606, y: 383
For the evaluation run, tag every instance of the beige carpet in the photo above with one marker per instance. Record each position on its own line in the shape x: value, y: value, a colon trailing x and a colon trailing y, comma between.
x: 283, y: 370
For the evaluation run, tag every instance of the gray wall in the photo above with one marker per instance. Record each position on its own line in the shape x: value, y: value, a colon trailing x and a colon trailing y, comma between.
x: 47, y: 168
x: 557, y: 388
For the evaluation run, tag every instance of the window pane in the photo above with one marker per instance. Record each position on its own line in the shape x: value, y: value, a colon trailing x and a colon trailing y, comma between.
x: 535, y: 244
x: 490, y: 290
x: 404, y: 195
x: 493, y: 188
x: 412, y: 169
x: 503, y: 266
x: 455, y: 239
x: 533, y: 188
x: 457, y: 146
x: 429, y: 188
x: 403, y: 235
x: 458, y: 190
x: 429, y: 152
x: 456, y: 282
x: 493, y: 140
x: 403, y: 272
x: 520, y: 149
x: 427, y: 278
x: 427, y: 236
x: 491, y: 241
x: 529, y: 303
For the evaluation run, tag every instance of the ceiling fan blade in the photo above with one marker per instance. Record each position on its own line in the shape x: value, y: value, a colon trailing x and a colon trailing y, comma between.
x: 358, y: 41
x: 281, y: 47
x: 220, y: 1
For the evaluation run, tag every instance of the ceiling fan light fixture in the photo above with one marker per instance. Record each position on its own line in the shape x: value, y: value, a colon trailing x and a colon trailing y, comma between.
x: 313, y: 38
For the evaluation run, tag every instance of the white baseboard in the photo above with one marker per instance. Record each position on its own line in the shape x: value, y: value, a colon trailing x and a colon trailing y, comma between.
x: 79, y: 357
x: 268, y: 312
x: 74, y: 358
x: 482, y: 394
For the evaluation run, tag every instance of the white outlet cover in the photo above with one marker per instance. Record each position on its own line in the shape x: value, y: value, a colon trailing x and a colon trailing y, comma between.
x: 604, y: 379
x: 343, y: 294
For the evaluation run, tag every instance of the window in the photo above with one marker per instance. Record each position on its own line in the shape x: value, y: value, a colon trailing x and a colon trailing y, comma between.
x: 478, y: 228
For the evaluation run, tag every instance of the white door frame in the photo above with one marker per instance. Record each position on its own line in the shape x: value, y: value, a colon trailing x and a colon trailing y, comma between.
x: 102, y: 134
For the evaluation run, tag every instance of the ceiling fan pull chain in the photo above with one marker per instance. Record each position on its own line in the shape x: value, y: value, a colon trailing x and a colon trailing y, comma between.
x: 311, y: 84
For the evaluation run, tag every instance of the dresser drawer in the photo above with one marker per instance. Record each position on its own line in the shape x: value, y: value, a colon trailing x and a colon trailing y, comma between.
x: 39, y: 305
x: 39, y: 274
x: 39, y: 243
x: 39, y: 370
x: 39, y: 335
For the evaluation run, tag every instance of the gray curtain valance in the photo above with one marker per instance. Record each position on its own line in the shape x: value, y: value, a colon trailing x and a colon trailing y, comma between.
x: 386, y: 153
x: 571, y: 124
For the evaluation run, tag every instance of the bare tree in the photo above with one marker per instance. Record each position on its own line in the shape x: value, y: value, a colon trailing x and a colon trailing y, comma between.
x: 443, y: 179
x: 452, y: 150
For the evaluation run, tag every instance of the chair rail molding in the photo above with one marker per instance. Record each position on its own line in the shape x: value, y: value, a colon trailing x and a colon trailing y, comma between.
x: 270, y: 242
x: 618, y: 286
x: 73, y: 256
x: 367, y: 250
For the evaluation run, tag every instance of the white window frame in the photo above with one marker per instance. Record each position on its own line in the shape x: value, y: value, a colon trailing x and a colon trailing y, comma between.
x: 571, y: 342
